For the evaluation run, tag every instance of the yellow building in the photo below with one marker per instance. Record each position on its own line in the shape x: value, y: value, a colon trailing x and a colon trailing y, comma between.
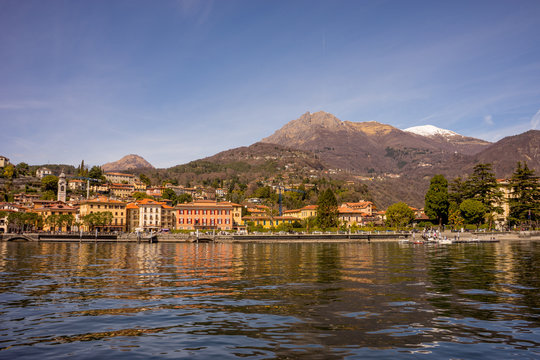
x: 268, y: 222
x: 121, y: 190
x: 50, y: 213
x: 303, y: 213
x: 118, y: 178
x: 358, y: 213
x: 505, y: 188
x: 103, y: 204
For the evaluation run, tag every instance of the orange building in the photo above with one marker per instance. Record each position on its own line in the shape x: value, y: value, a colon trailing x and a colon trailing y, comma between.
x: 208, y: 214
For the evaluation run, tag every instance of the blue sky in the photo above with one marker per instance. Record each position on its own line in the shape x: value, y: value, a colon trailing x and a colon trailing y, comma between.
x: 175, y: 81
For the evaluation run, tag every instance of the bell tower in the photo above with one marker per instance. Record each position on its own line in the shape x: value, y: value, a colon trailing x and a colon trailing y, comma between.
x: 62, y: 187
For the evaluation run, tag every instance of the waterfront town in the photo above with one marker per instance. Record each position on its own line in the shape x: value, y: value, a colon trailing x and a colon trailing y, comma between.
x: 122, y: 202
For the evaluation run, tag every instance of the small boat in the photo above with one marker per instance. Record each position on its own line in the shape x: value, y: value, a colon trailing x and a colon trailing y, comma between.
x: 445, y: 241
x: 151, y: 237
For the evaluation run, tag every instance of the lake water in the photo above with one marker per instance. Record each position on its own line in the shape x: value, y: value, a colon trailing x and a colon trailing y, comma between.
x: 270, y: 301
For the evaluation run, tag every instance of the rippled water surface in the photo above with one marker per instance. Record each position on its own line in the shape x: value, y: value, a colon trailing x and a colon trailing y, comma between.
x: 264, y: 301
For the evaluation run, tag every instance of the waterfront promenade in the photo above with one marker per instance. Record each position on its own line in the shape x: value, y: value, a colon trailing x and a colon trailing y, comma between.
x: 260, y: 237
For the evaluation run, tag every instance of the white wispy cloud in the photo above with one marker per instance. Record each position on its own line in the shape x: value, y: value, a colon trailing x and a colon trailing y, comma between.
x: 535, y: 120
x: 488, y: 119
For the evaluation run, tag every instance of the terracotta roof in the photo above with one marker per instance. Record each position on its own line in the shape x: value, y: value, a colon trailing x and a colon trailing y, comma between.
x: 118, y: 174
x: 103, y: 199
x: 291, y: 211
x: 256, y: 218
x: 285, y: 218
x: 147, y: 201
x: 343, y: 210
x: 205, y: 203
x: 361, y: 204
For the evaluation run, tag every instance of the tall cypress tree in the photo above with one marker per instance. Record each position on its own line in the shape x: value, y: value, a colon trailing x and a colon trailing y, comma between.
x: 525, y: 199
x: 436, y: 200
x: 327, y: 212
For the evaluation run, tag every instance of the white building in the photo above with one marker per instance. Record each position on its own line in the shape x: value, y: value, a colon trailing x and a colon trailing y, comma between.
x: 42, y: 172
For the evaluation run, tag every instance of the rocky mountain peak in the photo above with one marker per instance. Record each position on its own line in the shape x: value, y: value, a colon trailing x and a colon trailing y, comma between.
x: 128, y: 162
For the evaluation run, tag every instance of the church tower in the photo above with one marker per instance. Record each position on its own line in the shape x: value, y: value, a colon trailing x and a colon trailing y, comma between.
x: 62, y: 187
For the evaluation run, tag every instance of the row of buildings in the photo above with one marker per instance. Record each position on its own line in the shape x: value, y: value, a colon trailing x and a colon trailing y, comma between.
x: 154, y: 215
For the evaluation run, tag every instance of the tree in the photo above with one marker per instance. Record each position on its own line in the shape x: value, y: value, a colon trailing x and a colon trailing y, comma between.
x: 22, y: 168
x: 285, y: 226
x: 31, y: 220
x: 49, y: 183
x: 9, y: 171
x: 457, y: 191
x: 327, y: 212
x: 138, y: 195
x: 15, y: 219
x: 399, y: 215
x: 144, y: 179
x: 184, y: 198
x: 436, y: 200
x: 169, y: 194
x: 264, y: 192
x: 455, y: 218
x: 473, y: 211
x: 98, y: 219
x: 95, y: 173
x: 525, y: 200
x: 82, y: 170
x: 482, y: 186
x: 52, y: 220
x: 67, y: 220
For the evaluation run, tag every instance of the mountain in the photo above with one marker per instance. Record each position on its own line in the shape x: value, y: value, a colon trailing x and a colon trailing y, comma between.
x: 395, y: 165
x: 505, y: 153
x: 371, y: 147
x: 128, y: 162
x: 248, y: 163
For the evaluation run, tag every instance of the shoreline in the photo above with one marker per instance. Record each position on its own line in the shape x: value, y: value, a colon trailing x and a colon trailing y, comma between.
x: 262, y: 238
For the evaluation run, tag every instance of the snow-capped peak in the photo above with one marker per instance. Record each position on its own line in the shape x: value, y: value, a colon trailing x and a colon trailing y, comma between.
x: 430, y: 130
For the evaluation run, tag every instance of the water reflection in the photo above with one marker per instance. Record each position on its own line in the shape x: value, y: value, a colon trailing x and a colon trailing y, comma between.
x: 269, y: 300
